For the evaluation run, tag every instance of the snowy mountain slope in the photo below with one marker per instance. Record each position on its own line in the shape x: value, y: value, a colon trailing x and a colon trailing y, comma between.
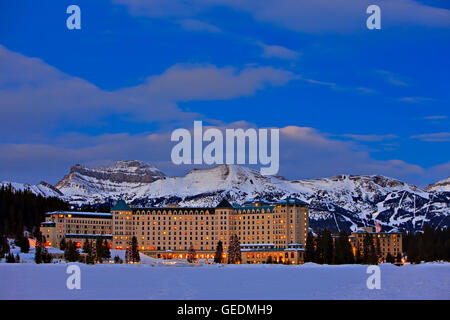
x: 44, y: 189
x: 440, y: 186
x: 338, y: 203
x: 207, y: 187
x: 90, y: 185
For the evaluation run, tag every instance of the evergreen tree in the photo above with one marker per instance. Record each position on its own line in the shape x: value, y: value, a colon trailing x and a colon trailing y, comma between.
x: 71, y: 253
x: 373, y: 259
x: 378, y: 248
x: 319, y: 256
x: 62, y: 244
x: 135, y: 250
x: 4, y: 246
x: 389, y: 258
x: 343, y: 249
x: 358, y: 257
x: 234, y: 250
x: 128, y: 255
x: 412, y: 252
x: 90, y: 259
x: 10, y: 258
x: 38, y: 253
x: 347, y: 248
x: 191, y: 255
x: 99, y: 250
x: 327, y: 245
x: 117, y: 260
x: 23, y: 243
x: 219, y: 252
x: 367, y: 244
x: 22, y: 210
x: 46, y: 257
x: 87, y: 247
x: 310, y: 251
x: 433, y: 244
x: 106, y: 251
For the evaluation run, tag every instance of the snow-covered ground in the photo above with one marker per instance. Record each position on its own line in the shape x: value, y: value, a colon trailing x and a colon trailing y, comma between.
x: 155, y: 280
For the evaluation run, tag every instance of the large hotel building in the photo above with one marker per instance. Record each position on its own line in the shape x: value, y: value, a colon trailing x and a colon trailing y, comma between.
x: 267, y: 231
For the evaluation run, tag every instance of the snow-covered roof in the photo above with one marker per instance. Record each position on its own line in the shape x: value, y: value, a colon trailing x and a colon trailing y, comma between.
x: 290, y: 200
x: 87, y: 236
x: 121, y: 206
x: 47, y: 223
x: 224, y: 204
x: 257, y: 245
x: 81, y: 213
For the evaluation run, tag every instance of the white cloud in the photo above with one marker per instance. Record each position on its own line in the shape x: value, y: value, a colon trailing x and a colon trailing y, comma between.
x: 416, y: 99
x: 184, y: 82
x: 392, y: 78
x: 370, y: 137
x: 433, y: 137
x: 36, y: 97
x: 276, y: 51
x: 437, y: 117
x: 197, y: 25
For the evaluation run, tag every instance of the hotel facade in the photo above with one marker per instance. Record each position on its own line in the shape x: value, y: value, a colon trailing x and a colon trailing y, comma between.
x: 384, y: 242
x: 268, y: 232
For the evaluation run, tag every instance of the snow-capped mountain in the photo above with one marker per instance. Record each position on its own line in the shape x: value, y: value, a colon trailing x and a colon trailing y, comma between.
x: 43, y: 188
x: 338, y: 203
x: 94, y: 185
x: 440, y: 186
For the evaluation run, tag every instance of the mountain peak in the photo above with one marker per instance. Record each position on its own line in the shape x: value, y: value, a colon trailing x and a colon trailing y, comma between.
x: 440, y: 186
x: 117, y: 177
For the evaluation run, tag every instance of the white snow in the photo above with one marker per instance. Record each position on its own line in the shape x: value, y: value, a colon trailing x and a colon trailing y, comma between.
x: 38, y: 189
x: 440, y: 186
x: 77, y: 213
x: 177, y: 279
x: 156, y: 281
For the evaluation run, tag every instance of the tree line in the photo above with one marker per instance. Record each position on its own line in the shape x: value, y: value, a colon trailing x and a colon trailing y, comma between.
x: 324, y: 249
x: 23, y: 210
x: 433, y: 244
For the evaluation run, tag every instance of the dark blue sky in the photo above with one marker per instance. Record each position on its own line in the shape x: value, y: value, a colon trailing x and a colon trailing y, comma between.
x: 378, y: 100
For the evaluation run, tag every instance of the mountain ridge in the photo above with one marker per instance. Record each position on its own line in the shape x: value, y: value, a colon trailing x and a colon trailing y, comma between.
x: 341, y: 202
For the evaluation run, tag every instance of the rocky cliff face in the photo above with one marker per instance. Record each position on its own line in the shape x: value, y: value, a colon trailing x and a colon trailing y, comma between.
x: 93, y: 185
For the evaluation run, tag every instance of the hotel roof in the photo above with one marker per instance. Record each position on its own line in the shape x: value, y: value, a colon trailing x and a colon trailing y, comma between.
x: 121, y: 206
x: 82, y: 214
x: 224, y: 204
x: 290, y: 200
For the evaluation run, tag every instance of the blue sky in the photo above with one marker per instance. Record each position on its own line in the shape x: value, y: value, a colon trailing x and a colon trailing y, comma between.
x: 348, y: 99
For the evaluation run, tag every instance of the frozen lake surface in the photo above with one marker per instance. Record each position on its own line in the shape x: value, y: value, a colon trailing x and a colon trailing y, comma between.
x: 180, y: 281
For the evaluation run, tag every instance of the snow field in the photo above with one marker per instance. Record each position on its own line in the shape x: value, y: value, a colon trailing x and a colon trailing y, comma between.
x: 155, y: 280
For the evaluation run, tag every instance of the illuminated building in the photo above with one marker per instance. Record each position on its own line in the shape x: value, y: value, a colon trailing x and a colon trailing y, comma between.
x: 168, y: 232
